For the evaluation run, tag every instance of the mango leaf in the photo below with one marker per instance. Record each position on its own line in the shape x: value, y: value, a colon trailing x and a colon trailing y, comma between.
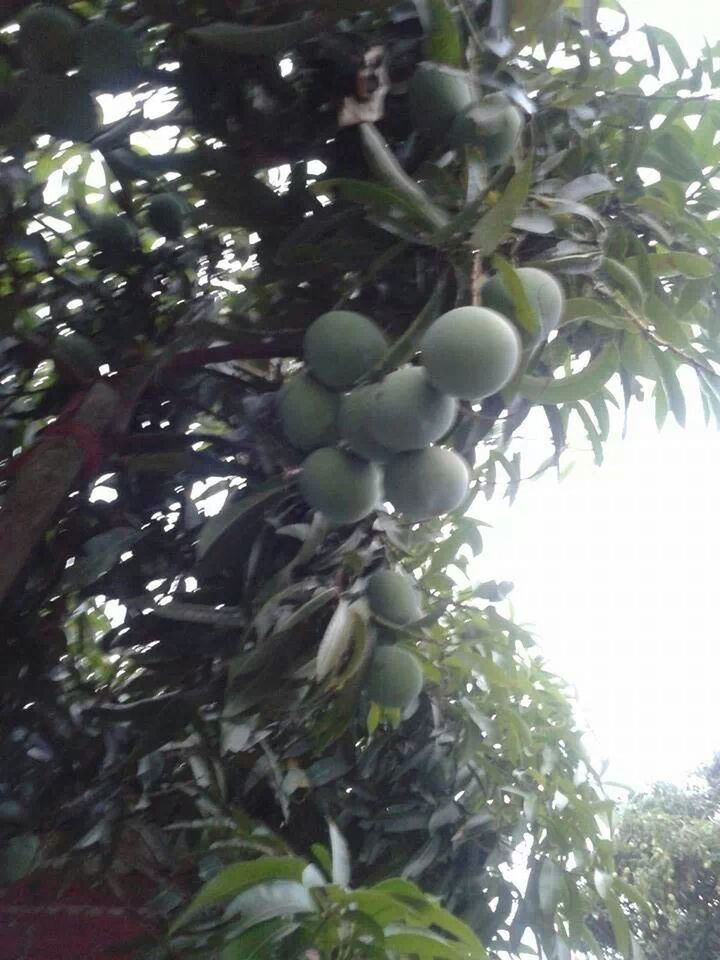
x: 551, y: 885
x: 692, y: 265
x: 384, y: 165
x: 101, y: 553
x: 620, y: 926
x: 238, y: 877
x: 494, y: 226
x: 591, y: 432
x: 218, y: 537
x: 423, y: 944
x: 340, y: 854
x: 657, y: 38
x: 603, y: 882
x: 377, y: 198
x: 254, y: 41
x: 17, y: 857
x: 265, y: 901
x: 406, y: 345
x: 336, y: 640
x: 586, y: 186
x: 442, y: 39
x: 255, y: 941
x: 523, y: 312
x: 429, y: 911
x: 667, y: 366
x: 623, y: 278
x: 576, y: 386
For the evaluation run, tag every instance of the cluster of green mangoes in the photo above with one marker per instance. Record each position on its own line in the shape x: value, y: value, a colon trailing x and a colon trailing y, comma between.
x: 394, y: 676
x: 102, y: 54
x: 445, y: 108
x: 116, y: 237
x: 377, y: 440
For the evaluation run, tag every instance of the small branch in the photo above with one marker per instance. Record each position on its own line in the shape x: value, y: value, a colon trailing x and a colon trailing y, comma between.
x: 250, y: 349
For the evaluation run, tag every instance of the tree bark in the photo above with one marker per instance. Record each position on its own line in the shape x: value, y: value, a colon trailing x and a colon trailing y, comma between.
x: 44, y: 478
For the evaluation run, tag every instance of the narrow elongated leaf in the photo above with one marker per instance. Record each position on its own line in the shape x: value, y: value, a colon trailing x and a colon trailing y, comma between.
x: 384, y: 164
x: 423, y: 944
x: 523, y: 312
x: 576, y: 386
x: 229, y: 521
x: 673, y: 391
x: 254, y: 41
x: 495, y: 225
x: 238, y: 877
x: 265, y: 901
x: 340, y: 854
x: 620, y: 926
x: 591, y: 432
x: 586, y: 186
x: 692, y: 265
x: 624, y: 279
x: 335, y: 642
x: 17, y: 857
x: 442, y: 40
x: 378, y: 198
x: 656, y: 38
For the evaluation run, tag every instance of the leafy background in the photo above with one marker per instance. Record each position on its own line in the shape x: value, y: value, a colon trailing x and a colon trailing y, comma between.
x: 219, y: 734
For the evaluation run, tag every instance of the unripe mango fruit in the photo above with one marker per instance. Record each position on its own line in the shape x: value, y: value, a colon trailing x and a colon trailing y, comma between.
x: 393, y: 596
x: 342, y: 487
x: 341, y: 346
x: 427, y: 483
x: 394, y: 678
x: 470, y: 352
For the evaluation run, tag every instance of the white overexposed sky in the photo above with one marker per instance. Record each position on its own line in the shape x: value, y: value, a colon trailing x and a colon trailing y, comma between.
x: 616, y: 568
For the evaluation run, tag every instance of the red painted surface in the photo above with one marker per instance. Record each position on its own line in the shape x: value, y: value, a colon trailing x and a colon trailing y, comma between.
x: 44, y: 920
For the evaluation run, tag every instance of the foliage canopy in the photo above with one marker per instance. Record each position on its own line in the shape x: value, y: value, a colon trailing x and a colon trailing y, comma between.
x: 222, y: 723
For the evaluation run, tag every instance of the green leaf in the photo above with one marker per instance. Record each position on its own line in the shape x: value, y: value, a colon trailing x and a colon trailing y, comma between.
x: 620, y: 926
x: 379, y: 199
x: 384, y: 164
x: 591, y: 432
x: 101, y: 553
x: 217, y: 542
x: 603, y: 882
x: 585, y: 186
x: 692, y: 265
x: 657, y: 38
x: 18, y: 856
x: 266, y: 901
x: 425, y: 908
x: 423, y: 944
x: 238, y: 877
x: 255, y: 41
x: 254, y: 943
x: 624, y: 279
x: 551, y: 885
x: 494, y: 226
x: 671, y: 385
x: 576, y: 386
x: 633, y: 895
x: 523, y: 312
x: 405, y: 347
x: 442, y: 42
x: 340, y: 854
x: 336, y: 640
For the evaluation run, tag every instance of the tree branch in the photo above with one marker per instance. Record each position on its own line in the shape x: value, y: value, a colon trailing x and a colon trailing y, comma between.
x: 43, y: 480
x: 250, y: 349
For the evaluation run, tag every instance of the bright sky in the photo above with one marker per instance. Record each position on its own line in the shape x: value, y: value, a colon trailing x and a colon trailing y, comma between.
x: 616, y: 568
